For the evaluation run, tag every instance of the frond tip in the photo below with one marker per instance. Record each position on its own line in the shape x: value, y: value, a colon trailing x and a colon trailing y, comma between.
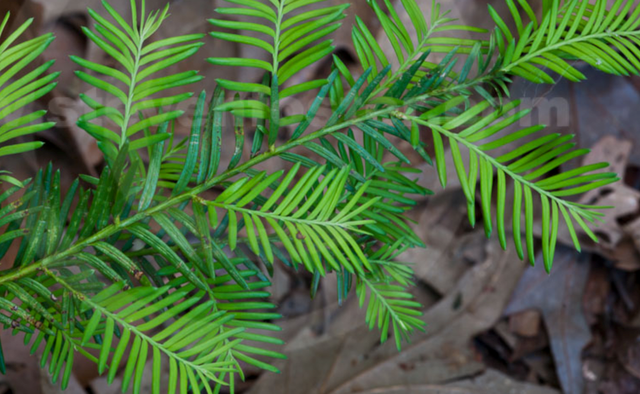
x: 294, y: 36
x: 137, y: 82
x: 391, y: 307
x: 19, y: 94
x: 529, y: 164
x: 605, y: 38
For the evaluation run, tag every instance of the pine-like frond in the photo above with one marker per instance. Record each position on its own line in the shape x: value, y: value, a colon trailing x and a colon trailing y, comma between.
x: 390, y: 307
x: 28, y: 305
x: 310, y: 218
x: 145, y: 268
x: 17, y: 91
x: 390, y: 182
x: 530, y: 164
x: 294, y: 37
x: 409, y: 43
x: 139, y: 83
x: 201, y: 339
x: 13, y: 214
x: 602, y: 36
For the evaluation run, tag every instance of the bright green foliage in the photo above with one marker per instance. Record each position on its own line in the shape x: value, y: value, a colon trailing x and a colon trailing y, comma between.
x: 150, y: 267
x: 409, y: 46
x: 315, y: 231
x: 18, y: 94
x: 574, y: 30
x: 138, y: 81
x: 391, y: 306
x: 294, y: 36
x: 530, y: 166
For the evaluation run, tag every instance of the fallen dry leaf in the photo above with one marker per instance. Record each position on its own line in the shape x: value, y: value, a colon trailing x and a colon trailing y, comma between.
x: 23, y: 370
x: 525, y: 323
x: 558, y: 296
x: 353, y: 361
x: 440, y: 264
x: 490, y: 382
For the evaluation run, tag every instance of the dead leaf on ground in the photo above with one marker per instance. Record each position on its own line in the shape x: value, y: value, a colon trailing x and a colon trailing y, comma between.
x: 439, y: 226
x: 355, y: 362
x: 490, y: 382
x: 558, y: 297
x: 525, y: 323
